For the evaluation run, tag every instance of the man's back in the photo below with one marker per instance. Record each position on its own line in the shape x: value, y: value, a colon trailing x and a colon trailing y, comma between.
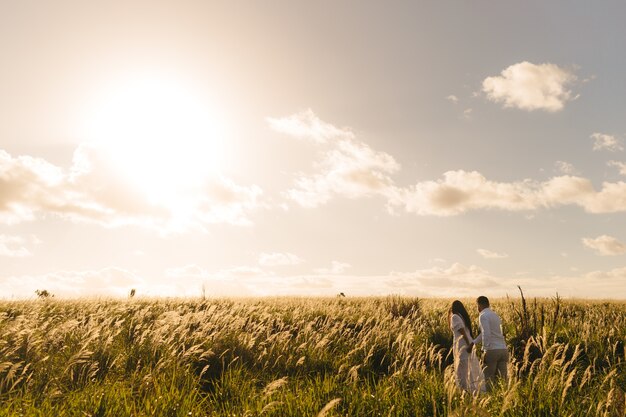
x: 491, y: 330
x: 496, y: 356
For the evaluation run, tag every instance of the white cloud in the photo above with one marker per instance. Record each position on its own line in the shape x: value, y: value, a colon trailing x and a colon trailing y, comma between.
x: 467, y: 114
x: 453, y: 98
x: 453, y: 281
x: 607, y: 284
x: 605, y: 245
x: 460, y: 280
x: 279, y: 259
x: 184, y: 271
x: 17, y: 246
x: 94, y: 190
x: 487, y: 254
x: 529, y: 86
x: 606, y: 142
x: 462, y: 191
x: 109, y: 281
x: 348, y: 167
x: 563, y: 167
x: 242, y: 281
x: 616, y: 274
x: 457, y: 280
x: 223, y: 201
x: 620, y: 166
x: 28, y: 185
x: 306, y: 125
x: 610, y: 199
x: 352, y: 169
x: 336, y: 268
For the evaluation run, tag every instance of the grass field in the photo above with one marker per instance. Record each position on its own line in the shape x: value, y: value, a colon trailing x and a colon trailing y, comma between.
x: 300, y: 357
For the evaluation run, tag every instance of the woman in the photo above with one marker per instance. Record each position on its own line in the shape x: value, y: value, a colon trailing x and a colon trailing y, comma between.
x: 467, y: 372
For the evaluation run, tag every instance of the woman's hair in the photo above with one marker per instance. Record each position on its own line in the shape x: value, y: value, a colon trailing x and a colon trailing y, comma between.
x: 459, y: 309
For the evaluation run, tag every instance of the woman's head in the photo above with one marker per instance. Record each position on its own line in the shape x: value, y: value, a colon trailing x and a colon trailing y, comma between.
x: 459, y: 309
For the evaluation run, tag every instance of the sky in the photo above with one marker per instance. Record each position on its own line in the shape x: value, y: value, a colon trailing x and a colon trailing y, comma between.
x: 422, y: 148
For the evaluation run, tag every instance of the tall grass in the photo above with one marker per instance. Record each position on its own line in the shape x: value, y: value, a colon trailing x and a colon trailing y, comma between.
x: 299, y: 356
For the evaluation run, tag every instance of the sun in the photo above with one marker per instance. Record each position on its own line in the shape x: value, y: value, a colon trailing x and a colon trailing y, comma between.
x: 159, y: 134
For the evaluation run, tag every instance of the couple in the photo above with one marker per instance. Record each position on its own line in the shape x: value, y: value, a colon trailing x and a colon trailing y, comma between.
x: 467, y: 370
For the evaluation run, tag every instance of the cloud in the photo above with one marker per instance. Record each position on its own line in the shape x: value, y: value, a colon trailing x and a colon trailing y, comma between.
x: 620, y: 166
x: 28, y: 185
x: 348, y: 167
x: 454, y: 281
x: 606, y: 142
x: 616, y: 274
x: 457, y: 280
x: 16, y: 246
x: 564, y: 167
x: 487, y: 254
x: 610, y: 199
x: 467, y: 114
x: 336, y: 268
x: 279, y: 259
x: 94, y: 190
x: 462, y: 191
x: 454, y: 99
x: 603, y: 284
x: 605, y: 245
x: 193, y: 280
x: 253, y: 281
x: 223, y: 201
x: 529, y: 86
x: 306, y: 125
x: 109, y: 281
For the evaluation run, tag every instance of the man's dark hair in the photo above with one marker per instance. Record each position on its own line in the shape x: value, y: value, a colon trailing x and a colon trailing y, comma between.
x: 483, y: 301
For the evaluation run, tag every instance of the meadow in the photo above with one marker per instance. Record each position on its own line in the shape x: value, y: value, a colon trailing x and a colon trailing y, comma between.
x: 387, y: 356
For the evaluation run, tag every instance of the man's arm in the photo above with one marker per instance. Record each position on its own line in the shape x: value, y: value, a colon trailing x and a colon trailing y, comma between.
x: 486, y: 330
x: 479, y: 339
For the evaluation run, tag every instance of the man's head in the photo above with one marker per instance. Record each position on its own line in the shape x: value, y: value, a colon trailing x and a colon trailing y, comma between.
x: 482, y: 302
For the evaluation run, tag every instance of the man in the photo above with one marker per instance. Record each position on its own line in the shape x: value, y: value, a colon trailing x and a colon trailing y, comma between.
x: 496, y: 354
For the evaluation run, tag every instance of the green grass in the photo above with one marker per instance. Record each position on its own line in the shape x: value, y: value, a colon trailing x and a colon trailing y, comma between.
x: 294, y: 356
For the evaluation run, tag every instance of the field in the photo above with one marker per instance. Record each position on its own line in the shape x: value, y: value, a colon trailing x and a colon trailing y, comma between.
x: 300, y: 357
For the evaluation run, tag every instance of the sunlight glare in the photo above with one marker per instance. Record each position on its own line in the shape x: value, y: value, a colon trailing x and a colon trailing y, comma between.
x: 161, y: 137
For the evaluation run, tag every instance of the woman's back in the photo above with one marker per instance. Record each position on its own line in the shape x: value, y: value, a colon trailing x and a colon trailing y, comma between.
x: 458, y: 325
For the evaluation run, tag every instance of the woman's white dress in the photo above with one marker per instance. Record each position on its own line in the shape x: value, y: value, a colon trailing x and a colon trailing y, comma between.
x: 467, y: 372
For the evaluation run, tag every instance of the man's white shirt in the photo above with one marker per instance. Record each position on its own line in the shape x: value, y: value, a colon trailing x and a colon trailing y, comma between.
x: 490, y: 331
